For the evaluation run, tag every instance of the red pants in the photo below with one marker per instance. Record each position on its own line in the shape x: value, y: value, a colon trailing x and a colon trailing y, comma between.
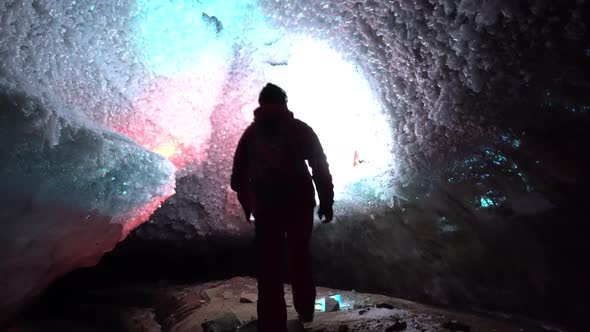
x: 275, y: 228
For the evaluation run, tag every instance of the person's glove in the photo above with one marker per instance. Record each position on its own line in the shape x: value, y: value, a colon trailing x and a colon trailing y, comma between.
x: 326, y: 212
x: 246, y: 202
x: 248, y: 214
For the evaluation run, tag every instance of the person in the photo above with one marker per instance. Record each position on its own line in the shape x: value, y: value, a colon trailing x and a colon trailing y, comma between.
x: 274, y: 185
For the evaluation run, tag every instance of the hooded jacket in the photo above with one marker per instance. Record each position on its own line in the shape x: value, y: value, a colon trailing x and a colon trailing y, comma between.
x: 269, y: 166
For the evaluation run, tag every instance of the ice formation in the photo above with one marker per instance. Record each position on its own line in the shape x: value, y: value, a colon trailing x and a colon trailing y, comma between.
x: 71, y: 162
x: 395, y: 89
x: 155, y: 71
x: 331, y: 95
x: 447, y: 70
x: 202, y: 41
x: 70, y: 191
x: 72, y: 188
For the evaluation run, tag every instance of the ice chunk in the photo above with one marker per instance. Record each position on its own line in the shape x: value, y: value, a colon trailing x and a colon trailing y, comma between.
x: 62, y: 161
x: 70, y: 192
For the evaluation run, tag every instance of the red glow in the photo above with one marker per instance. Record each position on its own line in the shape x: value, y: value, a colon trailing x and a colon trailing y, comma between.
x: 141, y: 214
x: 172, y: 119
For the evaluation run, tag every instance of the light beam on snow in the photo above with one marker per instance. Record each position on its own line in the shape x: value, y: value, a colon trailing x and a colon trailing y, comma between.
x: 333, y: 97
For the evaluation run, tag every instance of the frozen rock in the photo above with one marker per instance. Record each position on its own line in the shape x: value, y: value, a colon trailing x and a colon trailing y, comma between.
x: 248, y: 297
x: 226, y: 322
x: 70, y: 192
x: 212, y: 293
x: 332, y: 305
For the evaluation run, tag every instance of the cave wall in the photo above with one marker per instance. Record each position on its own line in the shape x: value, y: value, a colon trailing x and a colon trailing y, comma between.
x: 452, y: 73
x: 487, y: 101
x: 70, y: 192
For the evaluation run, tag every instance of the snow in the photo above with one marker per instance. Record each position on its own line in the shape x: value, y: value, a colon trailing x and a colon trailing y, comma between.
x: 446, y: 70
x: 71, y: 162
x: 405, y: 85
x: 71, y: 190
x: 156, y: 72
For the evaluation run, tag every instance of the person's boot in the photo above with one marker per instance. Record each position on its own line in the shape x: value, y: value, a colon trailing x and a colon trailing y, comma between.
x: 295, y: 326
x: 306, y: 318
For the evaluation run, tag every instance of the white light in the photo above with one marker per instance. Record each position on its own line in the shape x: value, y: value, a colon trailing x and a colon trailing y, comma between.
x: 335, y: 99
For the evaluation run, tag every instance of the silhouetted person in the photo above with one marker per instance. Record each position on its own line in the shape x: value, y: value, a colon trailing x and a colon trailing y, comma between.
x: 273, y: 183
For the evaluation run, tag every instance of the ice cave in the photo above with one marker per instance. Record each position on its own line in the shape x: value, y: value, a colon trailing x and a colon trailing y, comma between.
x: 455, y: 132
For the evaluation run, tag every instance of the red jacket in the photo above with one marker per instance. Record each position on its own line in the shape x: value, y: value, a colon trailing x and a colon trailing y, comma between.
x: 269, y: 163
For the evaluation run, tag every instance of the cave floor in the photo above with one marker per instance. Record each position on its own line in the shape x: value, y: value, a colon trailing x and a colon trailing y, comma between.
x: 164, y: 307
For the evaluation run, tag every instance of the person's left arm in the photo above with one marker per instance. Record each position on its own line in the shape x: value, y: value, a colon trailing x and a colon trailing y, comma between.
x: 240, y: 179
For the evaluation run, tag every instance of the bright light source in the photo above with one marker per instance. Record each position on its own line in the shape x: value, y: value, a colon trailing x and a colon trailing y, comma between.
x: 333, y: 97
x: 194, y: 49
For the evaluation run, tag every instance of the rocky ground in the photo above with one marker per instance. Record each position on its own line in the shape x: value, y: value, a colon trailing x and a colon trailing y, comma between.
x: 230, y: 305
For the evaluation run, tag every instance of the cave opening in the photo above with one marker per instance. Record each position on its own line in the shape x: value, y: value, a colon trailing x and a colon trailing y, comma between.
x: 455, y: 132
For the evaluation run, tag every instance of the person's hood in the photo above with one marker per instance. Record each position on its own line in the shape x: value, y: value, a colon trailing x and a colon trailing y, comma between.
x: 272, y: 113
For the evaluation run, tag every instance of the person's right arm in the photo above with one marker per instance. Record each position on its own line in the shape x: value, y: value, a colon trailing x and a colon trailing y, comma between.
x: 320, y: 173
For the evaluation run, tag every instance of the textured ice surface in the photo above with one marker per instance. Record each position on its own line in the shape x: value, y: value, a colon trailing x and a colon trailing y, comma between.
x: 71, y: 190
x: 156, y: 71
x: 71, y: 162
x: 86, y: 58
x: 334, y: 97
x: 447, y: 70
x: 406, y: 85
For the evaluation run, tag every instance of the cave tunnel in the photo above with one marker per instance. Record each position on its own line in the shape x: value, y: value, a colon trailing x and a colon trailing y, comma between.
x: 457, y: 134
